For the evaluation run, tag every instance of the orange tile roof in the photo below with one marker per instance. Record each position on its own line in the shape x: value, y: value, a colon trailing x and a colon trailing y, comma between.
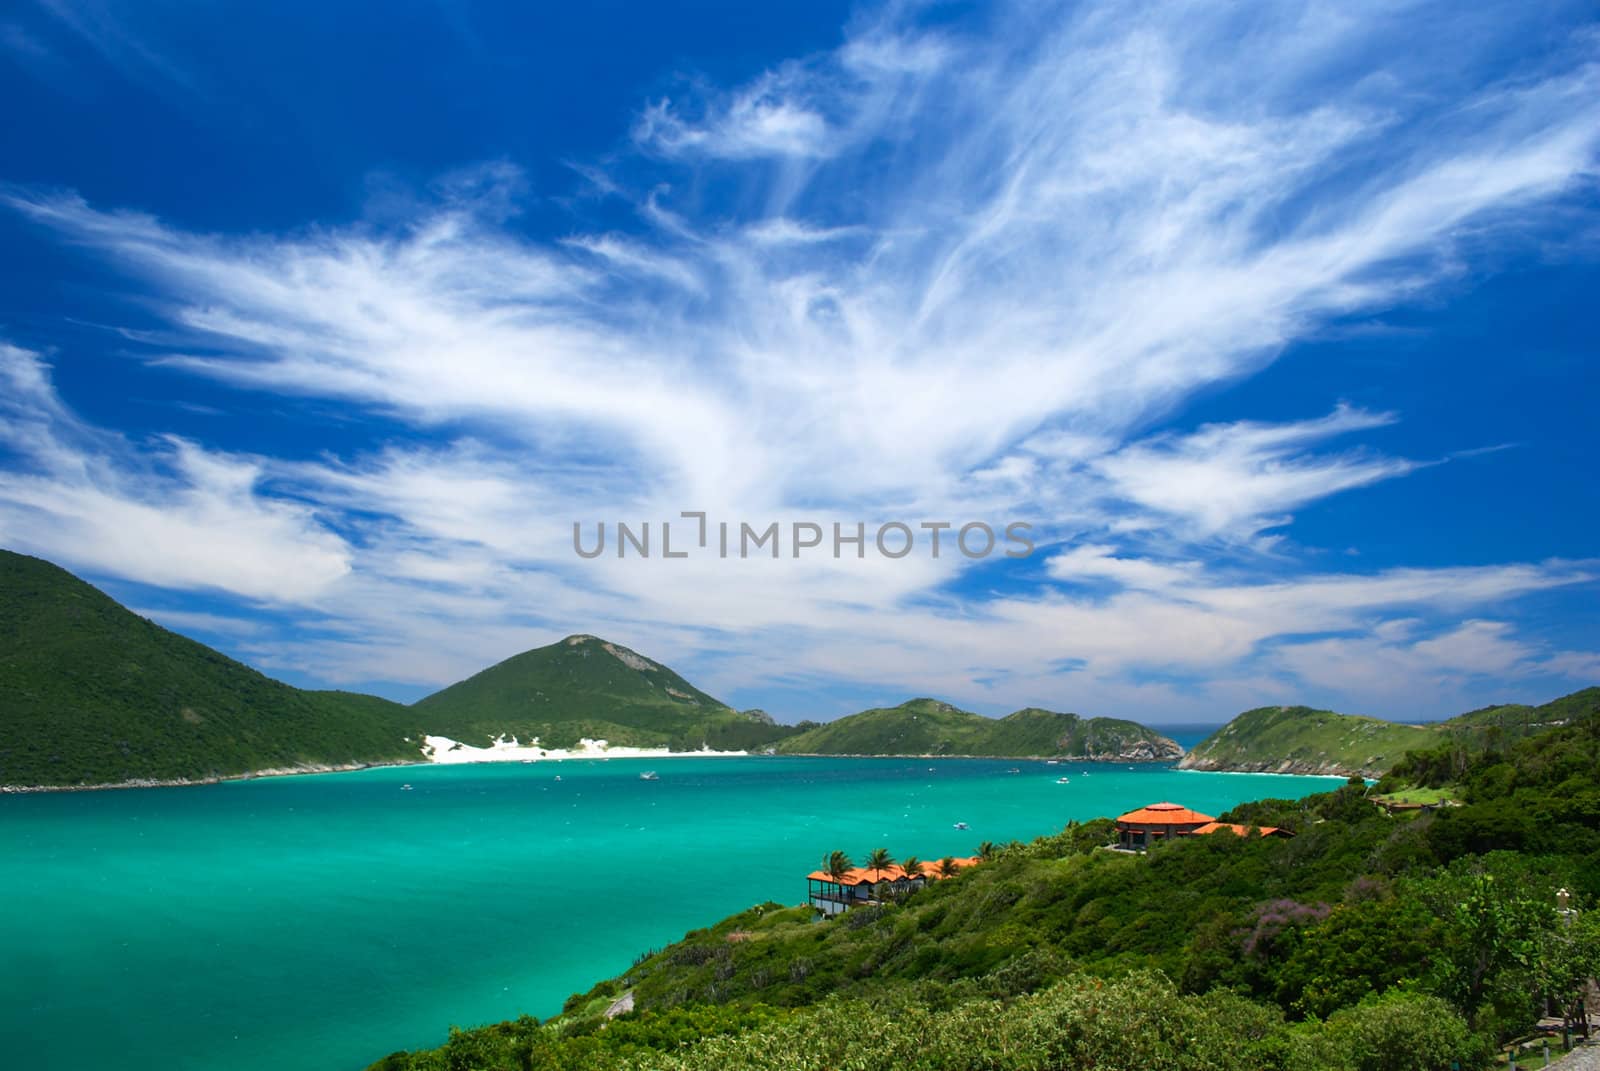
x: 1233, y: 827
x: 1165, y: 814
x: 863, y: 876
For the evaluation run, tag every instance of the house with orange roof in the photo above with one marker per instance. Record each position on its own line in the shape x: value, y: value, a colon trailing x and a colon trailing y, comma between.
x: 1241, y: 831
x: 859, y: 885
x: 1138, y: 829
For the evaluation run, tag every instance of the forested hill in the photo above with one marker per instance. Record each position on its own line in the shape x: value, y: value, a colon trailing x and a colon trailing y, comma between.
x: 1369, y: 941
x: 1303, y: 740
x: 584, y: 686
x: 91, y: 693
x: 930, y: 727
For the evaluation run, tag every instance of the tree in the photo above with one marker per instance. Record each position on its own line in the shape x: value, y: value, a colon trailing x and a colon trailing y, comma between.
x: 1493, y: 936
x: 1569, y: 956
x: 913, y: 868
x: 880, y: 860
x: 987, y: 851
x: 836, y: 865
x: 947, y: 866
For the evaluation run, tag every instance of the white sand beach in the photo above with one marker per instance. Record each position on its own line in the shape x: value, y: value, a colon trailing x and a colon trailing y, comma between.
x: 442, y: 749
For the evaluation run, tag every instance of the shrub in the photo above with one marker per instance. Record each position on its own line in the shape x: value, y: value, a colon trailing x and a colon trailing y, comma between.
x: 1397, y: 1031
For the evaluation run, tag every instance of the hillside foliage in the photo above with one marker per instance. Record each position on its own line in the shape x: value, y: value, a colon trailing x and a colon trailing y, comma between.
x: 930, y: 727
x: 585, y: 687
x: 1300, y: 739
x: 91, y: 693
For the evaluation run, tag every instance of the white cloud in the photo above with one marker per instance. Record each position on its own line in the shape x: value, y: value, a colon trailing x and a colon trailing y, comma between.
x: 173, y: 515
x: 1236, y: 478
x: 765, y: 118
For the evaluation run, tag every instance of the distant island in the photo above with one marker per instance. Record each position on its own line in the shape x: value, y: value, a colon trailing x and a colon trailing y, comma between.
x: 931, y: 727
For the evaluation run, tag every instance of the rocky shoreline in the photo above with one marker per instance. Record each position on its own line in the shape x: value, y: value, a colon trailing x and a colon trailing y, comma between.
x: 1280, y: 766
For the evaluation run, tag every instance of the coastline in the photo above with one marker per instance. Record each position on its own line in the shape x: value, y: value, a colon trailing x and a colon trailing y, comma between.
x: 1101, y: 760
x: 1298, y: 767
x: 1263, y: 773
x: 437, y: 751
x: 443, y: 751
x: 191, y: 782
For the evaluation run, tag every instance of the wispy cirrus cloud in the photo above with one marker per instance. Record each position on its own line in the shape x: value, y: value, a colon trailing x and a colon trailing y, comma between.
x: 947, y: 273
x: 1232, y: 479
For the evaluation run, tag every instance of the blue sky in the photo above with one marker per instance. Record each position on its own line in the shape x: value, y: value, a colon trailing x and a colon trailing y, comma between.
x: 321, y: 326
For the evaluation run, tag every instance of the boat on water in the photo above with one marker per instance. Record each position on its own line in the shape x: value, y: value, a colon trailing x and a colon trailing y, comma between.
x: 405, y: 788
x: 961, y: 825
x: 1063, y: 780
x: 1014, y: 769
x: 649, y: 775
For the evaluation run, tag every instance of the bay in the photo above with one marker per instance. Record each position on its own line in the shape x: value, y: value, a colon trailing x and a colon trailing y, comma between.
x: 320, y: 922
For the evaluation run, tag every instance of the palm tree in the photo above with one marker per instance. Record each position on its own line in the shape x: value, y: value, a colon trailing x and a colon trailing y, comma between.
x: 880, y: 860
x: 913, y: 868
x: 987, y: 851
x: 947, y: 866
x: 837, y: 865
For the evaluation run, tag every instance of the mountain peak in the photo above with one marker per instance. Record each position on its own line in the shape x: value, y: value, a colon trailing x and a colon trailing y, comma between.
x: 586, y: 686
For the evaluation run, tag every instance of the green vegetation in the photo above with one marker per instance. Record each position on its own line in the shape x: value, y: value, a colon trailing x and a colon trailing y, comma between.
x: 1135, y: 1023
x: 1368, y: 941
x: 929, y: 727
x: 1413, y: 796
x: 1302, y: 740
x: 584, y: 686
x: 94, y: 694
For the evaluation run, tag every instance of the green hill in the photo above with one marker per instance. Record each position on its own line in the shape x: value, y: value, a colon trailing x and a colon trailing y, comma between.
x: 91, y: 693
x: 1303, y: 740
x: 1513, y: 721
x: 584, y: 686
x: 930, y: 727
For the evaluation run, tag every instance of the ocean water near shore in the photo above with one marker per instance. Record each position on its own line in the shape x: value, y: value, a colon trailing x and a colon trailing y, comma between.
x: 320, y: 922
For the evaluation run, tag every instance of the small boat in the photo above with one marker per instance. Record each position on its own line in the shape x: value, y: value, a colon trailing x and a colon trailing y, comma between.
x: 1052, y: 762
x: 558, y: 777
x: 1063, y: 781
x: 649, y: 775
x: 1014, y: 770
x: 961, y: 825
x: 405, y: 788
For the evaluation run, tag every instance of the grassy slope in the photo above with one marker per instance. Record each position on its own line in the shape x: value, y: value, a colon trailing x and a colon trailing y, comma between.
x: 929, y: 727
x: 584, y: 686
x: 1513, y: 721
x: 91, y: 693
x: 1299, y: 738
x: 1285, y: 739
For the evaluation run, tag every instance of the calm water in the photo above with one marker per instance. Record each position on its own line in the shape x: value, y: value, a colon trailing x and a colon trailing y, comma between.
x: 321, y: 922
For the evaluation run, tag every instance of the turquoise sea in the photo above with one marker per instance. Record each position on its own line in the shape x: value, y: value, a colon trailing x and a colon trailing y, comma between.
x: 243, y: 926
